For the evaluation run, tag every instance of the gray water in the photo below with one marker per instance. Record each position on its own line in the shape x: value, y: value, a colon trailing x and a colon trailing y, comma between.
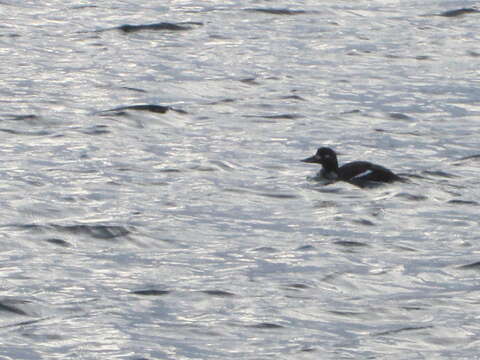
x: 197, y: 233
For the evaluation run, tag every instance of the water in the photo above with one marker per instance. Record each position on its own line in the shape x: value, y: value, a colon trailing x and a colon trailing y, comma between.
x: 197, y: 233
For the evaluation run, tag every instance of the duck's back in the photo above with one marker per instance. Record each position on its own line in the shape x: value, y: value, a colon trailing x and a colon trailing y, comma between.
x: 363, y: 171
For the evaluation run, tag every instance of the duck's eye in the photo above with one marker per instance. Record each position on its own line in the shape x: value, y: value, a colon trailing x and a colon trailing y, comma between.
x: 326, y: 156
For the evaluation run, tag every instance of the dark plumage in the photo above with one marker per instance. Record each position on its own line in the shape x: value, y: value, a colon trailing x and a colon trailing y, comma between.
x: 358, y: 172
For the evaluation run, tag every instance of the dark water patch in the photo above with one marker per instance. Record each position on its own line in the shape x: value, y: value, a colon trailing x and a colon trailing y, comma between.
x: 471, y: 157
x: 330, y: 278
x: 324, y: 188
x: 236, y: 190
x: 27, y: 117
x: 350, y: 244
x: 157, y: 109
x: 250, y: 81
x: 133, y: 89
x: 274, y: 11
x: 264, y: 194
x: 278, y: 195
x: 223, y: 101
x: 405, y: 248
x: 473, y: 53
x: 80, y: 7
x: 24, y: 323
x: 34, y: 227
x: 36, y: 336
x: 411, y: 133
x: 103, y: 232
x: 346, y: 313
x: 367, y: 184
x: 276, y: 116
x: 462, y: 202
x: 459, y: 12
x: 220, y: 37
x: 399, y: 116
x: 394, y: 56
x: 219, y: 293
x: 169, y: 170
x: 9, y: 306
x: 292, y: 97
x: 354, y: 111
x: 363, y: 222
x: 11, y: 35
x: 305, y: 248
x: 203, y: 168
x: 112, y: 113
x: 297, y: 286
x: 151, y: 292
x: 58, y: 242
x: 266, y: 249
x: 411, y: 197
x: 412, y: 308
x: 471, y: 266
x: 403, y: 329
x: 414, y: 176
x: 29, y: 133
x: 438, y: 173
x: 267, y: 326
x: 322, y: 204
x: 423, y: 57
x: 162, y: 26
x: 96, y: 130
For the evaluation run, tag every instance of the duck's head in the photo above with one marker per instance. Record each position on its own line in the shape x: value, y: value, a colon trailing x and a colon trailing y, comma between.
x: 325, y: 156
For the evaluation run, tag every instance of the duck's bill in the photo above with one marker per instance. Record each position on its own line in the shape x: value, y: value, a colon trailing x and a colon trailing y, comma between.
x: 311, y: 159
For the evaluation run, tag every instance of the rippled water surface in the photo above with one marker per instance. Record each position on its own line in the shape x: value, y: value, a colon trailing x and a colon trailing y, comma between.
x: 153, y: 205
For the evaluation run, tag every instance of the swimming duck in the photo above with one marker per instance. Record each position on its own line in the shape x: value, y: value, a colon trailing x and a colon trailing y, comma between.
x: 359, y: 173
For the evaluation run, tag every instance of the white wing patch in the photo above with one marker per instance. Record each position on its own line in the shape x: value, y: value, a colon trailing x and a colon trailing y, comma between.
x: 362, y: 174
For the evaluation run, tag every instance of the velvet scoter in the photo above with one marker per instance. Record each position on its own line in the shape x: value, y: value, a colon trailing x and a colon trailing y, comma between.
x: 360, y: 173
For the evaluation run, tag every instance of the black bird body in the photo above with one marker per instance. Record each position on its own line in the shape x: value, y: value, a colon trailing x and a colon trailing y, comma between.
x: 357, y: 172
